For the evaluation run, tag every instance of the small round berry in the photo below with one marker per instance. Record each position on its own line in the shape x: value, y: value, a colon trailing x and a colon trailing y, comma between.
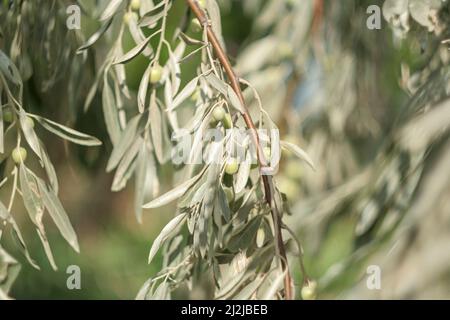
x: 232, y: 166
x: 135, y: 5
x: 195, y: 25
x: 19, y: 155
x: 129, y: 16
x: 156, y: 74
x: 309, y: 291
x: 218, y: 114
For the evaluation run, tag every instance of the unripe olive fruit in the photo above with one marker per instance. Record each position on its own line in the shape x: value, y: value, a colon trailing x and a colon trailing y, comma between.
x: 128, y: 16
x: 135, y: 5
x: 8, y: 115
x: 19, y: 155
x: 156, y: 74
x: 227, y: 121
x: 218, y: 114
x: 232, y: 166
x: 309, y: 291
x: 195, y: 25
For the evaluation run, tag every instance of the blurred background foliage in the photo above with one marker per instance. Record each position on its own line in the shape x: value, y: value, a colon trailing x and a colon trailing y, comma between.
x: 333, y: 86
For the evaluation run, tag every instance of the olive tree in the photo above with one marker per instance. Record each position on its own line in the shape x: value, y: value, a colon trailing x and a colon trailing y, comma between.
x: 235, y: 221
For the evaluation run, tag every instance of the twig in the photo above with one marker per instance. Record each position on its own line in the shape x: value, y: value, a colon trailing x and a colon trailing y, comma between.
x: 267, y: 180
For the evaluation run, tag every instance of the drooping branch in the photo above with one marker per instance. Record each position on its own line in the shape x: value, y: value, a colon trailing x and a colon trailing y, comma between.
x: 266, y: 179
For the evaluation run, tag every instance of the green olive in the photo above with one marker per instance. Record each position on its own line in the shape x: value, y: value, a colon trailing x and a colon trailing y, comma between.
x: 232, y: 166
x: 8, y: 116
x: 129, y: 16
x: 19, y: 155
x: 309, y: 291
x: 135, y: 5
x: 195, y: 25
x: 218, y: 114
x: 156, y: 74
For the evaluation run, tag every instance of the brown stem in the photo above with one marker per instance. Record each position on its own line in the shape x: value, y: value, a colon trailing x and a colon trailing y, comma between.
x: 267, y: 180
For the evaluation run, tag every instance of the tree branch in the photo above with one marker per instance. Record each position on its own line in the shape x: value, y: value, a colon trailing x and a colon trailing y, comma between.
x: 266, y: 180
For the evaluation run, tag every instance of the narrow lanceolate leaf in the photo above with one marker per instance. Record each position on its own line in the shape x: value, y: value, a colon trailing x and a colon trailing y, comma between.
x: 133, y: 52
x: 154, y: 15
x: 173, y: 194
x: 218, y: 84
x: 31, y: 195
x: 243, y: 239
x: 49, y: 169
x: 59, y: 215
x: 127, y: 138
x: 10, y: 269
x: 187, y: 91
x: 299, y: 152
x: 110, y: 112
x: 234, y: 100
x: 275, y: 287
x: 222, y: 204
x: 47, y: 249
x: 8, y: 69
x: 140, y: 177
x: 243, y: 174
x: 29, y: 134
x: 214, y: 14
x: 165, y: 233
x: 174, y: 66
x: 6, y: 216
x: 126, y: 166
x: 67, y: 133
x: 143, y: 86
x: 94, y: 38
x: 111, y: 9
x: 156, y: 128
